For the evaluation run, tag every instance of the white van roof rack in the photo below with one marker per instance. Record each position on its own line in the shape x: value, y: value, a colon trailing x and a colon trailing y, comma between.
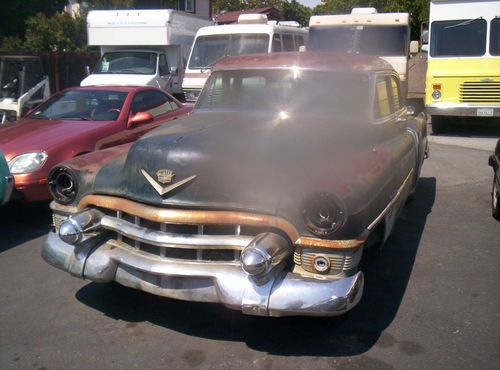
x: 252, y: 19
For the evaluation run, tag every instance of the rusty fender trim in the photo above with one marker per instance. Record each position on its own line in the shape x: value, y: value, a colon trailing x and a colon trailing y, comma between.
x: 196, y: 217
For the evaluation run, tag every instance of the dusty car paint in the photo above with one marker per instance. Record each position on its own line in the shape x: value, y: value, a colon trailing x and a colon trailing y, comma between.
x: 276, y: 203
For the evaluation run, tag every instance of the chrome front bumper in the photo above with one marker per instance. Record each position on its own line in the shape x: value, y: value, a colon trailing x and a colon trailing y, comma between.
x: 281, y: 294
x: 467, y: 110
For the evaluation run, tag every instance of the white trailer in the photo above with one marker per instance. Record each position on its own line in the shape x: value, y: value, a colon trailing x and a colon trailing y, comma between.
x: 141, y: 47
x: 252, y: 34
x: 365, y: 31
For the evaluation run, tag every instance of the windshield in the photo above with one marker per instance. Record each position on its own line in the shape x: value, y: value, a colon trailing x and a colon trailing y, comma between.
x: 361, y: 39
x: 82, y: 105
x: 127, y: 62
x: 298, y: 92
x: 208, y: 50
x: 462, y: 37
x: 495, y: 37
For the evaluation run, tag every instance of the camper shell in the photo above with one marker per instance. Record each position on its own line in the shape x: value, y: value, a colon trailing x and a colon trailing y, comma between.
x: 141, y: 47
x: 252, y: 34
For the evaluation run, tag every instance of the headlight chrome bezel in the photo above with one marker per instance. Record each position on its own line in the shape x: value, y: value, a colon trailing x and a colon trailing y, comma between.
x: 39, y: 158
x: 63, y: 184
x: 322, y: 214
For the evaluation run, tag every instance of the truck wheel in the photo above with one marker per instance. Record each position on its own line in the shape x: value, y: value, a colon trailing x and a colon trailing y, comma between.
x: 495, y: 200
x: 438, y: 124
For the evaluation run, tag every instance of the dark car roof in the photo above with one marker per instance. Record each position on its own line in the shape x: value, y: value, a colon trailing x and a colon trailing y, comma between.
x: 306, y: 60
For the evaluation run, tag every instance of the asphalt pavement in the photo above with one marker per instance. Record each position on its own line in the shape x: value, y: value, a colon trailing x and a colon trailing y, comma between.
x: 431, y: 300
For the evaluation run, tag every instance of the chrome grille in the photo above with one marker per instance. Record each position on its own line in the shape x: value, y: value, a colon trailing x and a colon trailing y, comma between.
x: 480, y: 92
x: 222, y: 243
x: 340, y: 261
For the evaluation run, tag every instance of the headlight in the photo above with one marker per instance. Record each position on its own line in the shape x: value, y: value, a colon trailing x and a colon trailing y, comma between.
x: 63, y: 185
x: 436, y: 94
x: 27, y: 162
x: 322, y: 215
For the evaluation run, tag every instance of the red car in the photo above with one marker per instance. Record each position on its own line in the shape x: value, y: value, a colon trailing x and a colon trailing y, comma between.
x: 76, y: 121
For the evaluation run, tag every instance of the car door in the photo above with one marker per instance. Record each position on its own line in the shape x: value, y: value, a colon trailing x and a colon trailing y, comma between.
x: 159, y: 104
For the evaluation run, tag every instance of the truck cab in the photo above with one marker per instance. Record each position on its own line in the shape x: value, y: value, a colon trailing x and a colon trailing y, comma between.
x: 141, y: 47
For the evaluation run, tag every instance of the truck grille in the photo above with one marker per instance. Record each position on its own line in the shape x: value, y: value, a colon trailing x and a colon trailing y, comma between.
x: 480, y: 92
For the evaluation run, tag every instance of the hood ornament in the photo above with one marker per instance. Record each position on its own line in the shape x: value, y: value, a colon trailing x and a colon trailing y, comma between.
x: 165, y: 177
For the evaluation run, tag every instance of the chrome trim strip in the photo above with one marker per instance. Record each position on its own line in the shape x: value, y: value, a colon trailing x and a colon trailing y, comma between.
x: 170, y: 240
x: 391, y: 203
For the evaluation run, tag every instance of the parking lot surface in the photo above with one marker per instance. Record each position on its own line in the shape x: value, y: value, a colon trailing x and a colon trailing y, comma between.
x: 431, y: 297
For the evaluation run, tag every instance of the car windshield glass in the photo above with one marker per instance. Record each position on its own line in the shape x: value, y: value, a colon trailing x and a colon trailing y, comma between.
x: 82, y: 105
x: 361, y: 39
x: 208, y: 50
x: 297, y: 92
x: 127, y: 62
x: 462, y: 37
x: 495, y: 37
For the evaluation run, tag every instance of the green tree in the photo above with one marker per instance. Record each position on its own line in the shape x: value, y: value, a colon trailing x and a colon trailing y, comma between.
x: 295, y: 11
x: 61, y: 32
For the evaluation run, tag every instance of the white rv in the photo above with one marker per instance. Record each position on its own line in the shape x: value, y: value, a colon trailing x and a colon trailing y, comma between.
x: 365, y: 31
x: 252, y: 34
x: 141, y: 47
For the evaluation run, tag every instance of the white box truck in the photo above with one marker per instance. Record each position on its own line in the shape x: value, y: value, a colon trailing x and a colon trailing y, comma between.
x: 142, y: 47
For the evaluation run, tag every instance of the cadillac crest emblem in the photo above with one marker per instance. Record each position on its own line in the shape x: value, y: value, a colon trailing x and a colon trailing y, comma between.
x: 165, y: 176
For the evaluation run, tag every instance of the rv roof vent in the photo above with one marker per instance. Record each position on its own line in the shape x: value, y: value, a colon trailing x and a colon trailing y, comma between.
x: 252, y: 19
x: 364, y: 11
x: 289, y: 23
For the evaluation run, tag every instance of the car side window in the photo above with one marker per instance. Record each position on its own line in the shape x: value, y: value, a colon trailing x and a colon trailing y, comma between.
x: 396, y: 96
x: 162, y: 65
x: 288, y: 42
x: 276, y: 42
x: 382, y: 102
x: 153, y: 102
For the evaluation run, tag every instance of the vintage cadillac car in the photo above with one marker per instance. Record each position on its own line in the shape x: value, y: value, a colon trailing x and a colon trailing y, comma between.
x: 263, y: 199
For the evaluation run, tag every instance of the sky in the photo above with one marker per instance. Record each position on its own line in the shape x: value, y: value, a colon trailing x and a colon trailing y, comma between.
x: 309, y: 3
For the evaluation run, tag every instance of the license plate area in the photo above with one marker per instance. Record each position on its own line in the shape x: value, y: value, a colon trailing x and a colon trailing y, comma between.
x: 484, y: 112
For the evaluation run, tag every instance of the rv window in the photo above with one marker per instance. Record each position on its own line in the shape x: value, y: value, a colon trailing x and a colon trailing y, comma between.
x: 163, y: 66
x: 299, y: 41
x: 461, y: 37
x: 288, y: 42
x: 276, y: 42
x: 209, y: 49
x: 396, y: 96
x: 382, y: 102
x: 495, y: 37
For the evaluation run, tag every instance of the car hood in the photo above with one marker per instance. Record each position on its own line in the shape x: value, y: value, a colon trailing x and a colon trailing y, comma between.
x: 241, y: 162
x: 118, y: 80
x: 28, y: 135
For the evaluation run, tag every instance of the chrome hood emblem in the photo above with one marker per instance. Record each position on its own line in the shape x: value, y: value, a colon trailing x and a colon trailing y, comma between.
x: 165, y: 177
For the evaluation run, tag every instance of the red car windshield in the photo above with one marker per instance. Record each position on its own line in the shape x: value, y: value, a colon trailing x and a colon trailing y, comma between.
x: 82, y: 105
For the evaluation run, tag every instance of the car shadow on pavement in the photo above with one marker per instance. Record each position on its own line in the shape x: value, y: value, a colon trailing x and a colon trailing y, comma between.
x: 20, y: 222
x: 386, y: 277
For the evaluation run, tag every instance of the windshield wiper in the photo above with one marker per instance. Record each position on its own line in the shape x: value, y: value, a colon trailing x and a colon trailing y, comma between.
x: 464, y: 23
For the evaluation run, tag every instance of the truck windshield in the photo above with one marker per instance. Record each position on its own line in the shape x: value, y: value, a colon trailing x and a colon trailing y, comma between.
x: 461, y: 37
x: 127, y: 62
x: 361, y: 39
x: 495, y: 37
x: 297, y: 92
x: 208, y: 50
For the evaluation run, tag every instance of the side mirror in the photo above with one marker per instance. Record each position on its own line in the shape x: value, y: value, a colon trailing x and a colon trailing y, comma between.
x: 410, y: 110
x: 425, y: 48
x: 414, y: 46
x: 140, y: 117
x: 173, y: 70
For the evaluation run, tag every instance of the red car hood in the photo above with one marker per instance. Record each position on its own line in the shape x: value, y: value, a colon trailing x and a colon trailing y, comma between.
x: 28, y: 135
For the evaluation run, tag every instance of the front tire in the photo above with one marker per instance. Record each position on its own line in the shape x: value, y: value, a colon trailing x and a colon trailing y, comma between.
x: 495, y: 200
